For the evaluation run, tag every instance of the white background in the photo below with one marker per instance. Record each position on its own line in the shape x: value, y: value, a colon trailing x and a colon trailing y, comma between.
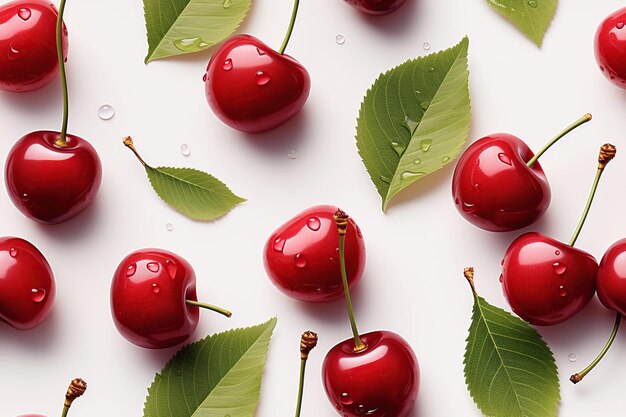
x: 413, y: 282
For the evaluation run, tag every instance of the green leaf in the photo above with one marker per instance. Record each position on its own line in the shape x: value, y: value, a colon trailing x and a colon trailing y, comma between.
x: 194, y: 193
x: 509, y: 369
x: 178, y: 27
x: 217, y: 376
x: 532, y: 17
x: 415, y: 119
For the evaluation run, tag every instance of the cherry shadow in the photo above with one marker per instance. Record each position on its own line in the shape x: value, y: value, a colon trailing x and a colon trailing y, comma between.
x: 394, y: 24
x: 80, y: 227
x: 37, y: 340
x: 36, y: 102
x: 282, y: 138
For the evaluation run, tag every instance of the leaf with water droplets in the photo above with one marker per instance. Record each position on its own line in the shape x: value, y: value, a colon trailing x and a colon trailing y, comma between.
x: 217, y: 376
x: 509, y: 369
x: 415, y: 119
x: 532, y: 17
x: 177, y: 27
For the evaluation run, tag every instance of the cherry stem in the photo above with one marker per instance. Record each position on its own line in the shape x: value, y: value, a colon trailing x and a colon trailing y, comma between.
x: 607, y: 153
x: 576, y: 378
x: 307, y: 344
x: 76, y: 389
x: 341, y: 220
x: 294, y: 14
x: 211, y: 307
x: 128, y: 142
x: 581, y: 121
x: 62, y: 140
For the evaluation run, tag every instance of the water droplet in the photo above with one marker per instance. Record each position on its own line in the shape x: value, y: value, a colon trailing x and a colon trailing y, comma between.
x: 358, y: 232
x: 228, y: 65
x: 504, y: 158
x: 407, y: 175
x: 572, y: 357
x: 185, y: 149
x: 131, y: 269
x: 346, y: 399
x: 502, y: 262
x: 533, y: 4
x: 620, y: 25
x: 38, y: 294
x: 260, y: 51
x: 156, y: 289
x: 227, y: 3
x: 426, y: 46
x: 562, y: 291
x: 476, y: 187
x: 279, y: 244
x: 424, y: 104
x: 602, y: 68
x: 169, y: 227
x: 292, y: 154
x: 559, y: 268
x: 106, y: 112
x: 153, y: 267
x: 430, y: 69
x: 179, y: 372
x: 205, y: 77
x: 24, y: 13
x: 425, y: 145
x: 190, y: 44
x: 360, y: 409
x: 262, y: 78
x: 314, y: 224
x: 557, y: 252
x: 299, y: 260
x: 501, y: 278
x: 171, y: 268
x: 384, y: 179
x: 398, y: 147
x: 417, y: 161
x: 445, y: 159
x: 13, y: 252
x: 13, y: 54
x: 340, y: 39
x: 24, y: 198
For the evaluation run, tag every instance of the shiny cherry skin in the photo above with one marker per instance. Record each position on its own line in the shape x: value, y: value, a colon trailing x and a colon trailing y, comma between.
x: 302, y: 256
x: 148, y: 299
x: 27, y: 286
x: 253, y: 88
x: 376, y: 7
x: 52, y: 184
x: 546, y: 281
x: 494, y: 189
x: 610, y: 48
x: 28, y: 54
x: 382, y: 380
x: 611, y: 278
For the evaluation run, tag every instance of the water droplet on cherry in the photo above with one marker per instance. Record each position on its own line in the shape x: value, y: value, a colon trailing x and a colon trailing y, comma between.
x: 106, y: 112
x: 559, y: 268
x: 185, y: 149
x: 156, y: 289
x: 299, y: 260
x: 13, y: 252
x: 205, y: 77
x: 24, y: 13
x: 260, y: 51
x: 279, y: 244
x: 228, y: 65
x: 562, y: 291
x: 314, y: 223
x: 504, y: 158
x: 170, y: 267
x: 358, y: 232
x: 620, y: 25
x: 153, y: 267
x: 13, y: 53
x: 557, y: 252
x: 346, y: 399
x: 262, y: 78
x: 501, y: 278
x: 38, y: 294
x: 131, y: 269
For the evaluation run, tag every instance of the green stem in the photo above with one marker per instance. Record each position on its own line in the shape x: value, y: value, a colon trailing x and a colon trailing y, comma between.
x: 294, y: 14
x: 211, y: 307
x: 582, y: 120
x: 301, y: 387
x: 576, y: 378
x: 581, y: 222
x: 62, y: 140
x: 358, y: 343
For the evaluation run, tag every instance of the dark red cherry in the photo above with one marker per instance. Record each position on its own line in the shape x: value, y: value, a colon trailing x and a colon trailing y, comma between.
x: 546, y: 281
x: 27, y: 287
x: 49, y: 183
x: 302, y: 256
x: 381, y: 380
x: 611, y: 278
x: 376, y: 7
x: 28, y: 54
x: 493, y: 187
x: 253, y: 88
x: 610, y: 47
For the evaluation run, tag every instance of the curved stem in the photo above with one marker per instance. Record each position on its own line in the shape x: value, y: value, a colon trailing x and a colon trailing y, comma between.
x: 128, y: 142
x: 211, y: 307
x: 62, y: 140
x: 294, y: 14
x: 576, y: 378
x: 581, y: 222
x: 568, y: 129
x: 301, y: 386
x: 358, y: 343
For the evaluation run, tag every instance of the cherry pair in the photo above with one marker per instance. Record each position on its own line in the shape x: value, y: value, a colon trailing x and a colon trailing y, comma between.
x: 50, y: 176
x: 318, y: 256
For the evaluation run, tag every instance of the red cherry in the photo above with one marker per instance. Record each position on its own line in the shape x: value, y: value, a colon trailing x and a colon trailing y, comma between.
x: 546, y: 281
x: 611, y: 278
x: 253, y: 88
x: 610, y: 48
x: 153, y: 299
x: 50, y: 183
x: 27, y: 287
x: 381, y: 380
x: 376, y: 7
x: 302, y: 259
x: 28, y: 54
